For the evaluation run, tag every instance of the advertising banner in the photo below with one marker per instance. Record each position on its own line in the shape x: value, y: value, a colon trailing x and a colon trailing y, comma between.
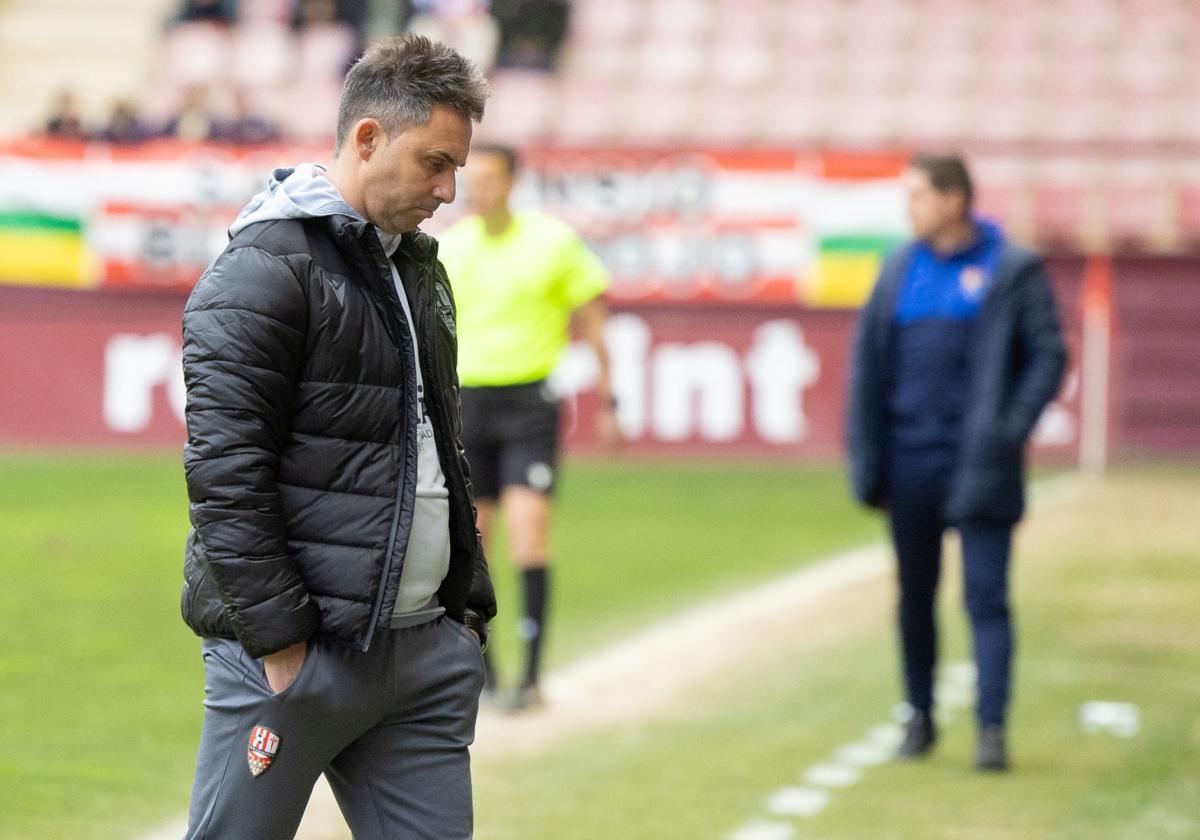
x: 690, y: 225
x: 104, y: 368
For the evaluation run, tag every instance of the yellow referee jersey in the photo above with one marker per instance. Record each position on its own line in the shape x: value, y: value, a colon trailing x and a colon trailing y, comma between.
x: 515, y: 293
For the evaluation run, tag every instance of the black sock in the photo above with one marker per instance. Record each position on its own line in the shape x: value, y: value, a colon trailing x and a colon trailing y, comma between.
x: 535, y: 583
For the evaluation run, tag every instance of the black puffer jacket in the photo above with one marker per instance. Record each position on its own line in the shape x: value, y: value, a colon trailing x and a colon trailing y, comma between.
x: 301, y: 454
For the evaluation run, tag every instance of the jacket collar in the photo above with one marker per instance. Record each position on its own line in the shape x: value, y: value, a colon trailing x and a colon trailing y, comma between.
x: 416, y: 245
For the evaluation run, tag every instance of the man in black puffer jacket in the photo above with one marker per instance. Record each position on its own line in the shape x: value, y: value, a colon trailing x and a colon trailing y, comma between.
x: 334, y: 567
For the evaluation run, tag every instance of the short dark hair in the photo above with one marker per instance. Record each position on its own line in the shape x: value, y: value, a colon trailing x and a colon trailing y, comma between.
x: 399, y: 81
x: 512, y: 161
x: 947, y: 173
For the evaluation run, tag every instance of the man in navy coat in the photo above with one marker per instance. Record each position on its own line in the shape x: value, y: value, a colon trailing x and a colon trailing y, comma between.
x: 957, y: 352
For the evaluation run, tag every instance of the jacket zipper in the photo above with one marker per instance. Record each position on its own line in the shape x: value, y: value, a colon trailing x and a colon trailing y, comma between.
x: 400, y: 485
x: 387, y: 560
x: 455, y: 485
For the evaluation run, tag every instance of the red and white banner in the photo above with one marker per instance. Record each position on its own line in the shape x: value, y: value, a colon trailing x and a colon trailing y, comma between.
x: 673, y: 225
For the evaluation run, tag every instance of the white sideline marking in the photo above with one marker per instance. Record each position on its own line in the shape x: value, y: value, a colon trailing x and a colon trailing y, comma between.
x: 886, y: 735
x: 1121, y: 719
x: 954, y: 688
x: 798, y: 801
x: 862, y: 755
x: 764, y: 830
x: 833, y: 775
x: 171, y: 831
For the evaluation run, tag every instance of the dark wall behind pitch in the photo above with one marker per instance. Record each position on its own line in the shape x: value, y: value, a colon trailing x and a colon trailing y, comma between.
x: 61, y: 353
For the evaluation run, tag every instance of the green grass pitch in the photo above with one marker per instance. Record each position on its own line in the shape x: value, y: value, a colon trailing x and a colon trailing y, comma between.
x: 101, y: 685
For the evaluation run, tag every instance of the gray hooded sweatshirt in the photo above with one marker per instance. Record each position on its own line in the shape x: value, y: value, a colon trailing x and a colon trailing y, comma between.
x: 305, y: 193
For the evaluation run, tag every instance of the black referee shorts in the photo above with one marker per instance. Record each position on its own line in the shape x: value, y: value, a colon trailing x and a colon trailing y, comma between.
x: 510, y: 433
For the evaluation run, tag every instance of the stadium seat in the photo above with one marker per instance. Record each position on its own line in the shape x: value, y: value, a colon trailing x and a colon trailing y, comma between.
x: 1061, y: 188
x: 1139, y: 120
x: 802, y: 72
x: 586, y: 113
x: 584, y: 65
x: 808, y: 28
x: 740, y: 65
x: 939, y: 120
x: 1184, y: 120
x: 194, y: 53
x: 262, y: 54
x: 746, y: 20
x: 864, y: 114
x: 943, y: 71
x: 999, y: 117
x: 520, y: 106
x: 1070, y: 119
x: 732, y: 116
x: 659, y: 114
x: 325, y: 52
x: 1001, y: 186
x: 278, y: 12
x: 599, y: 22
x: 1136, y: 202
x: 310, y: 112
x: 797, y: 116
x: 690, y: 19
x: 670, y: 62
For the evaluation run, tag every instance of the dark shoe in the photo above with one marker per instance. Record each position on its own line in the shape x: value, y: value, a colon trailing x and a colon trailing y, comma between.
x: 521, y: 700
x: 990, y: 753
x: 919, y: 736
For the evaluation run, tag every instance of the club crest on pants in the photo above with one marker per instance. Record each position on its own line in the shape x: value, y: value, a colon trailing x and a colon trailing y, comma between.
x: 263, y: 745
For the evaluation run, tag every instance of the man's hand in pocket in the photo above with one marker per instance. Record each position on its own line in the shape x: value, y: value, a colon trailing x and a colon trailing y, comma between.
x: 283, y: 666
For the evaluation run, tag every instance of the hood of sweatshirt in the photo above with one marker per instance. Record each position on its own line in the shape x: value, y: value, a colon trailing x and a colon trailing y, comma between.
x: 304, y: 192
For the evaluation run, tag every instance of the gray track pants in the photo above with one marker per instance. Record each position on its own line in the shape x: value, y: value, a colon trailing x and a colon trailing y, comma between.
x: 390, y: 729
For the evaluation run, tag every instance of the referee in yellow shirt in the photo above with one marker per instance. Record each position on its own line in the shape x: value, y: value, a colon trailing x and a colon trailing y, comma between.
x: 518, y: 279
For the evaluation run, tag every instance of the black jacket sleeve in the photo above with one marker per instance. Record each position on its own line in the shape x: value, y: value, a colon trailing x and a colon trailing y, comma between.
x: 243, y: 350
x: 865, y: 424
x: 1044, y: 355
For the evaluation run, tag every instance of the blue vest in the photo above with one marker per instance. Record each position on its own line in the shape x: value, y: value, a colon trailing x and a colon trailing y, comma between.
x: 936, y: 312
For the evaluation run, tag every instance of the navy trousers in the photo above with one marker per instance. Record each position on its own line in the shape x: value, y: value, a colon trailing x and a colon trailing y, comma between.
x: 917, y: 487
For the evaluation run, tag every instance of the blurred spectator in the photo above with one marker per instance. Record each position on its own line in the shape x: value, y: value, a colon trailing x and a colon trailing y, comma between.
x: 314, y: 13
x: 244, y: 127
x: 356, y: 12
x: 353, y: 13
x: 212, y: 11
x: 531, y: 32
x: 64, y: 120
x: 465, y: 25
x: 194, y: 121
x: 125, y: 125
x: 386, y: 18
